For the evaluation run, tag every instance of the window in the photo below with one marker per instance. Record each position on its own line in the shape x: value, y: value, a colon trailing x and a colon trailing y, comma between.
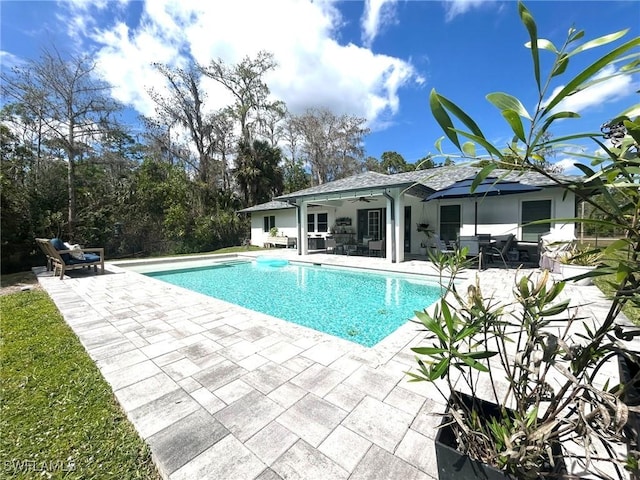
x: 269, y: 223
x: 373, y: 229
x: 317, y: 222
x: 532, y: 211
x: 449, y: 222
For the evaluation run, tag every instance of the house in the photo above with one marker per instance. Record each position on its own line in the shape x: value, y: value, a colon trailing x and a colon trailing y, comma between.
x: 374, y: 206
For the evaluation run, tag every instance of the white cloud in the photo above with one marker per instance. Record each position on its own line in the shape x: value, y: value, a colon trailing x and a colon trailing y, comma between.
x: 453, y: 8
x: 377, y: 13
x: 605, y: 90
x: 9, y: 60
x: 567, y: 165
x: 314, y: 70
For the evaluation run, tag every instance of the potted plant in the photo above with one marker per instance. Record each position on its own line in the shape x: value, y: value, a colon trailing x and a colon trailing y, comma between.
x: 273, y: 232
x: 578, y: 264
x: 538, y: 363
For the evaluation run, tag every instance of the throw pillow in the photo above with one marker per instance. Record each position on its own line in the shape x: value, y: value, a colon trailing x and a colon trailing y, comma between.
x: 76, y: 252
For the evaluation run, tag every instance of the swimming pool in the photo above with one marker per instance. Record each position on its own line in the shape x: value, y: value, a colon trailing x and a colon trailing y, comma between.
x: 355, y: 305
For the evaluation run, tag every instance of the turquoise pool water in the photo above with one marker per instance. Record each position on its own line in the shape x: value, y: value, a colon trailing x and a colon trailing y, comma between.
x: 357, y: 306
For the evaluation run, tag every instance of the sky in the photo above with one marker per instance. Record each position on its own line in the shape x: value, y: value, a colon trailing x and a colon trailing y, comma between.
x: 375, y: 59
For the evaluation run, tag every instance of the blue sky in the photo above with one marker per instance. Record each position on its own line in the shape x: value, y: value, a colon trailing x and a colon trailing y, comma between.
x: 376, y: 59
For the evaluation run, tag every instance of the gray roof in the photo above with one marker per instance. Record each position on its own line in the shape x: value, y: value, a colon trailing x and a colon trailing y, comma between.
x: 272, y: 205
x: 419, y: 183
x: 359, y: 182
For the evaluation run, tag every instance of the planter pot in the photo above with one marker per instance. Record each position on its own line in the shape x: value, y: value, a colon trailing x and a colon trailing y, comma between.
x: 454, y: 465
x: 423, y: 251
x: 569, y: 271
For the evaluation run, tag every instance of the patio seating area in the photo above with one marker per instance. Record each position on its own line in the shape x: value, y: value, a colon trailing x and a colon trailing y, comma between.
x: 219, y: 391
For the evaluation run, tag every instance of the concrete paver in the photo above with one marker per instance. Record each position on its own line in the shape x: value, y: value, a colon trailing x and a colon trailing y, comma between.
x: 219, y: 391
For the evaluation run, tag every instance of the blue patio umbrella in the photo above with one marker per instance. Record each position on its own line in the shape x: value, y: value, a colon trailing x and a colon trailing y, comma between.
x: 489, y: 187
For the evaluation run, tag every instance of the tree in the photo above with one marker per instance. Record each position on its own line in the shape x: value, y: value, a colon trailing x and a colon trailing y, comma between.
x: 71, y: 105
x: 258, y: 173
x: 245, y: 83
x: 372, y: 164
x: 331, y: 144
x: 295, y: 176
x: 393, y: 162
x: 183, y: 105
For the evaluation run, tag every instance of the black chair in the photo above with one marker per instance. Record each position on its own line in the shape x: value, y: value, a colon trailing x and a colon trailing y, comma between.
x: 493, y: 253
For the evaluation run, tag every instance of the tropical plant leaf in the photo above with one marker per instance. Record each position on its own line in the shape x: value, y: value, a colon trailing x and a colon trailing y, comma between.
x: 428, y: 350
x: 483, y: 142
x: 552, y: 118
x: 560, y: 66
x: 504, y: 101
x: 513, y: 119
x: 598, y: 42
x: 439, y: 369
x: 577, y: 82
x: 442, y: 117
x: 469, y: 149
x: 633, y: 129
x: 482, y: 175
x: 462, y: 116
x: 472, y: 363
x: 544, y: 44
x: 530, y: 25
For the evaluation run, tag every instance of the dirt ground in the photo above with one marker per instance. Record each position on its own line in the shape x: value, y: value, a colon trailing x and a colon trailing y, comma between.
x: 16, y: 282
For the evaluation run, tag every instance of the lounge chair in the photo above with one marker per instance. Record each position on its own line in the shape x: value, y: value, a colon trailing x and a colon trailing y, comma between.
x: 59, y: 257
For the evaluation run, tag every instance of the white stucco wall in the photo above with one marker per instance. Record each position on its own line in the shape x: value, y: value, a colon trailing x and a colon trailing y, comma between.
x: 499, y: 215
x: 285, y: 223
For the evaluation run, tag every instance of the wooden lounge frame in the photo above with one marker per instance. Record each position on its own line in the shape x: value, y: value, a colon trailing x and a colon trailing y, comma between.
x: 55, y: 261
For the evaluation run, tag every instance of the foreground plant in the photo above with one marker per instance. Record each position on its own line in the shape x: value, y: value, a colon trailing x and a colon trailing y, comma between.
x: 549, y: 357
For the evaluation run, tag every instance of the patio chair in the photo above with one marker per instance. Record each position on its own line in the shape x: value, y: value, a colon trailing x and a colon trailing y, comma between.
x: 331, y: 246
x: 61, y: 258
x: 442, y: 247
x: 376, y: 246
x: 493, y: 253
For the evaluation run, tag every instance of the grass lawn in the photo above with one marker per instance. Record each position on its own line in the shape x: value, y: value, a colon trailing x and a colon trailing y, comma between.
x: 58, y: 417
x: 631, y: 311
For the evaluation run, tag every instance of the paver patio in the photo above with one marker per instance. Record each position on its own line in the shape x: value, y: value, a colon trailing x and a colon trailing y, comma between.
x: 222, y: 392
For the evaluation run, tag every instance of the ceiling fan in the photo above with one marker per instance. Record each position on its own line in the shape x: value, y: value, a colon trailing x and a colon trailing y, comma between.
x: 361, y: 199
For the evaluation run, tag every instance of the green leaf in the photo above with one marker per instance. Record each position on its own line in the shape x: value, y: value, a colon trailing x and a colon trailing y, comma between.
x: 428, y: 350
x: 462, y: 116
x: 560, y: 66
x: 482, y: 141
x: 598, y: 42
x: 485, y: 354
x: 544, y: 44
x: 469, y: 149
x: 552, y: 118
x: 530, y: 24
x: 472, y: 363
x: 438, y: 144
x: 513, y: 119
x: 442, y: 117
x: 576, y: 84
x: 482, y: 175
x: 633, y: 129
x: 555, y: 310
x: 504, y: 101
x: 439, y: 369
